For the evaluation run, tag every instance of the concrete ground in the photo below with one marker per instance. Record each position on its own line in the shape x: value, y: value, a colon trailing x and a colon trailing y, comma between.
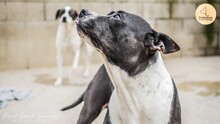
x: 197, y: 79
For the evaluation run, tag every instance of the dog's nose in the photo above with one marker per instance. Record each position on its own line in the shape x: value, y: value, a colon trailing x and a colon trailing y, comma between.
x: 83, y: 13
x: 64, y: 19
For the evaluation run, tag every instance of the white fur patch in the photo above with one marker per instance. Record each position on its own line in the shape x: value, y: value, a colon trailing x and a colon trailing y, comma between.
x: 134, y: 59
x: 145, y: 98
x: 67, y: 35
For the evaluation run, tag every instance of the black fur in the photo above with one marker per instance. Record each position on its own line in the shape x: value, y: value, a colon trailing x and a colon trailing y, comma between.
x: 97, y: 94
x: 73, y: 14
x: 130, y: 32
x: 59, y: 13
x: 107, y: 119
x: 176, y: 108
x: 77, y: 102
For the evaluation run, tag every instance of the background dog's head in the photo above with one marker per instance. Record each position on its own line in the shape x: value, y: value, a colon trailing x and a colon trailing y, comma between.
x: 66, y: 15
x: 125, y: 39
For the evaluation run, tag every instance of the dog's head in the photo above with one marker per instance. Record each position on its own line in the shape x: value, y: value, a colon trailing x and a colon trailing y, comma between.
x: 66, y: 15
x: 125, y: 39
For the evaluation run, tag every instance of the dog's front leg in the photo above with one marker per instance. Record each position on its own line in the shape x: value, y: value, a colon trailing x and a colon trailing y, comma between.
x: 75, y: 63
x: 59, y: 67
x: 87, y: 59
x: 76, y: 59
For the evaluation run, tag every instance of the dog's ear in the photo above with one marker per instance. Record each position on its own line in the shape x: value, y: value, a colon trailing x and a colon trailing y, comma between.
x: 160, y: 42
x: 170, y: 45
x: 57, y: 14
x: 73, y: 14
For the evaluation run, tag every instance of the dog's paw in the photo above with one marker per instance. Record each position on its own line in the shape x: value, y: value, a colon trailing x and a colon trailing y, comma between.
x: 58, y: 82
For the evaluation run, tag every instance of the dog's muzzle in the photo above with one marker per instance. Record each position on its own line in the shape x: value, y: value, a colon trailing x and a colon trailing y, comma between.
x: 82, y: 16
x: 64, y: 20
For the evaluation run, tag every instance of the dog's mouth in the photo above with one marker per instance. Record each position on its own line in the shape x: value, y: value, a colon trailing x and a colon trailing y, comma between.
x: 81, y: 31
x: 85, y: 34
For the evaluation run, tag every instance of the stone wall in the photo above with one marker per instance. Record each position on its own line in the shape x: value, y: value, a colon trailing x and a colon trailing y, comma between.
x: 28, y: 27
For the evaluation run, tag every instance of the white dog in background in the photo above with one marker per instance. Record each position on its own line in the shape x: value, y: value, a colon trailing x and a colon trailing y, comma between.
x: 67, y: 35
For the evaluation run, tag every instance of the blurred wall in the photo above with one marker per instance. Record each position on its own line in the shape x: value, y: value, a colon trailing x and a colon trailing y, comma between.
x: 28, y: 27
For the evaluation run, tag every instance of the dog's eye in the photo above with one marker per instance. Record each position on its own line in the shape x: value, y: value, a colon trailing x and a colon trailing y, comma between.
x: 116, y: 16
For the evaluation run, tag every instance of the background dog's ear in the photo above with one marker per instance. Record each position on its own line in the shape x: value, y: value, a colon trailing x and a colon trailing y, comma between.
x: 160, y: 42
x: 73, y: 14
x: 58, y: 14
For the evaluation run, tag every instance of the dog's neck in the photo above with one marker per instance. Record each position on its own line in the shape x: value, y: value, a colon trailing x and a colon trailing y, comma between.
x: 136, y: 64
x: 146, y: 68
x: 66, y: 31
x: 126, y: 87
x: 67, y: 27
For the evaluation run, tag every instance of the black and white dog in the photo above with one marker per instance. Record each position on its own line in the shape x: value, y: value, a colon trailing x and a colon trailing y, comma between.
x: 144, y: 92
x: 96, y: 97
x: 67, y: 35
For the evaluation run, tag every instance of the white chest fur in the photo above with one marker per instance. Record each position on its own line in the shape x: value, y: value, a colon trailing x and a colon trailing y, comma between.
x: 145, y: 98
x: 67, y: 35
